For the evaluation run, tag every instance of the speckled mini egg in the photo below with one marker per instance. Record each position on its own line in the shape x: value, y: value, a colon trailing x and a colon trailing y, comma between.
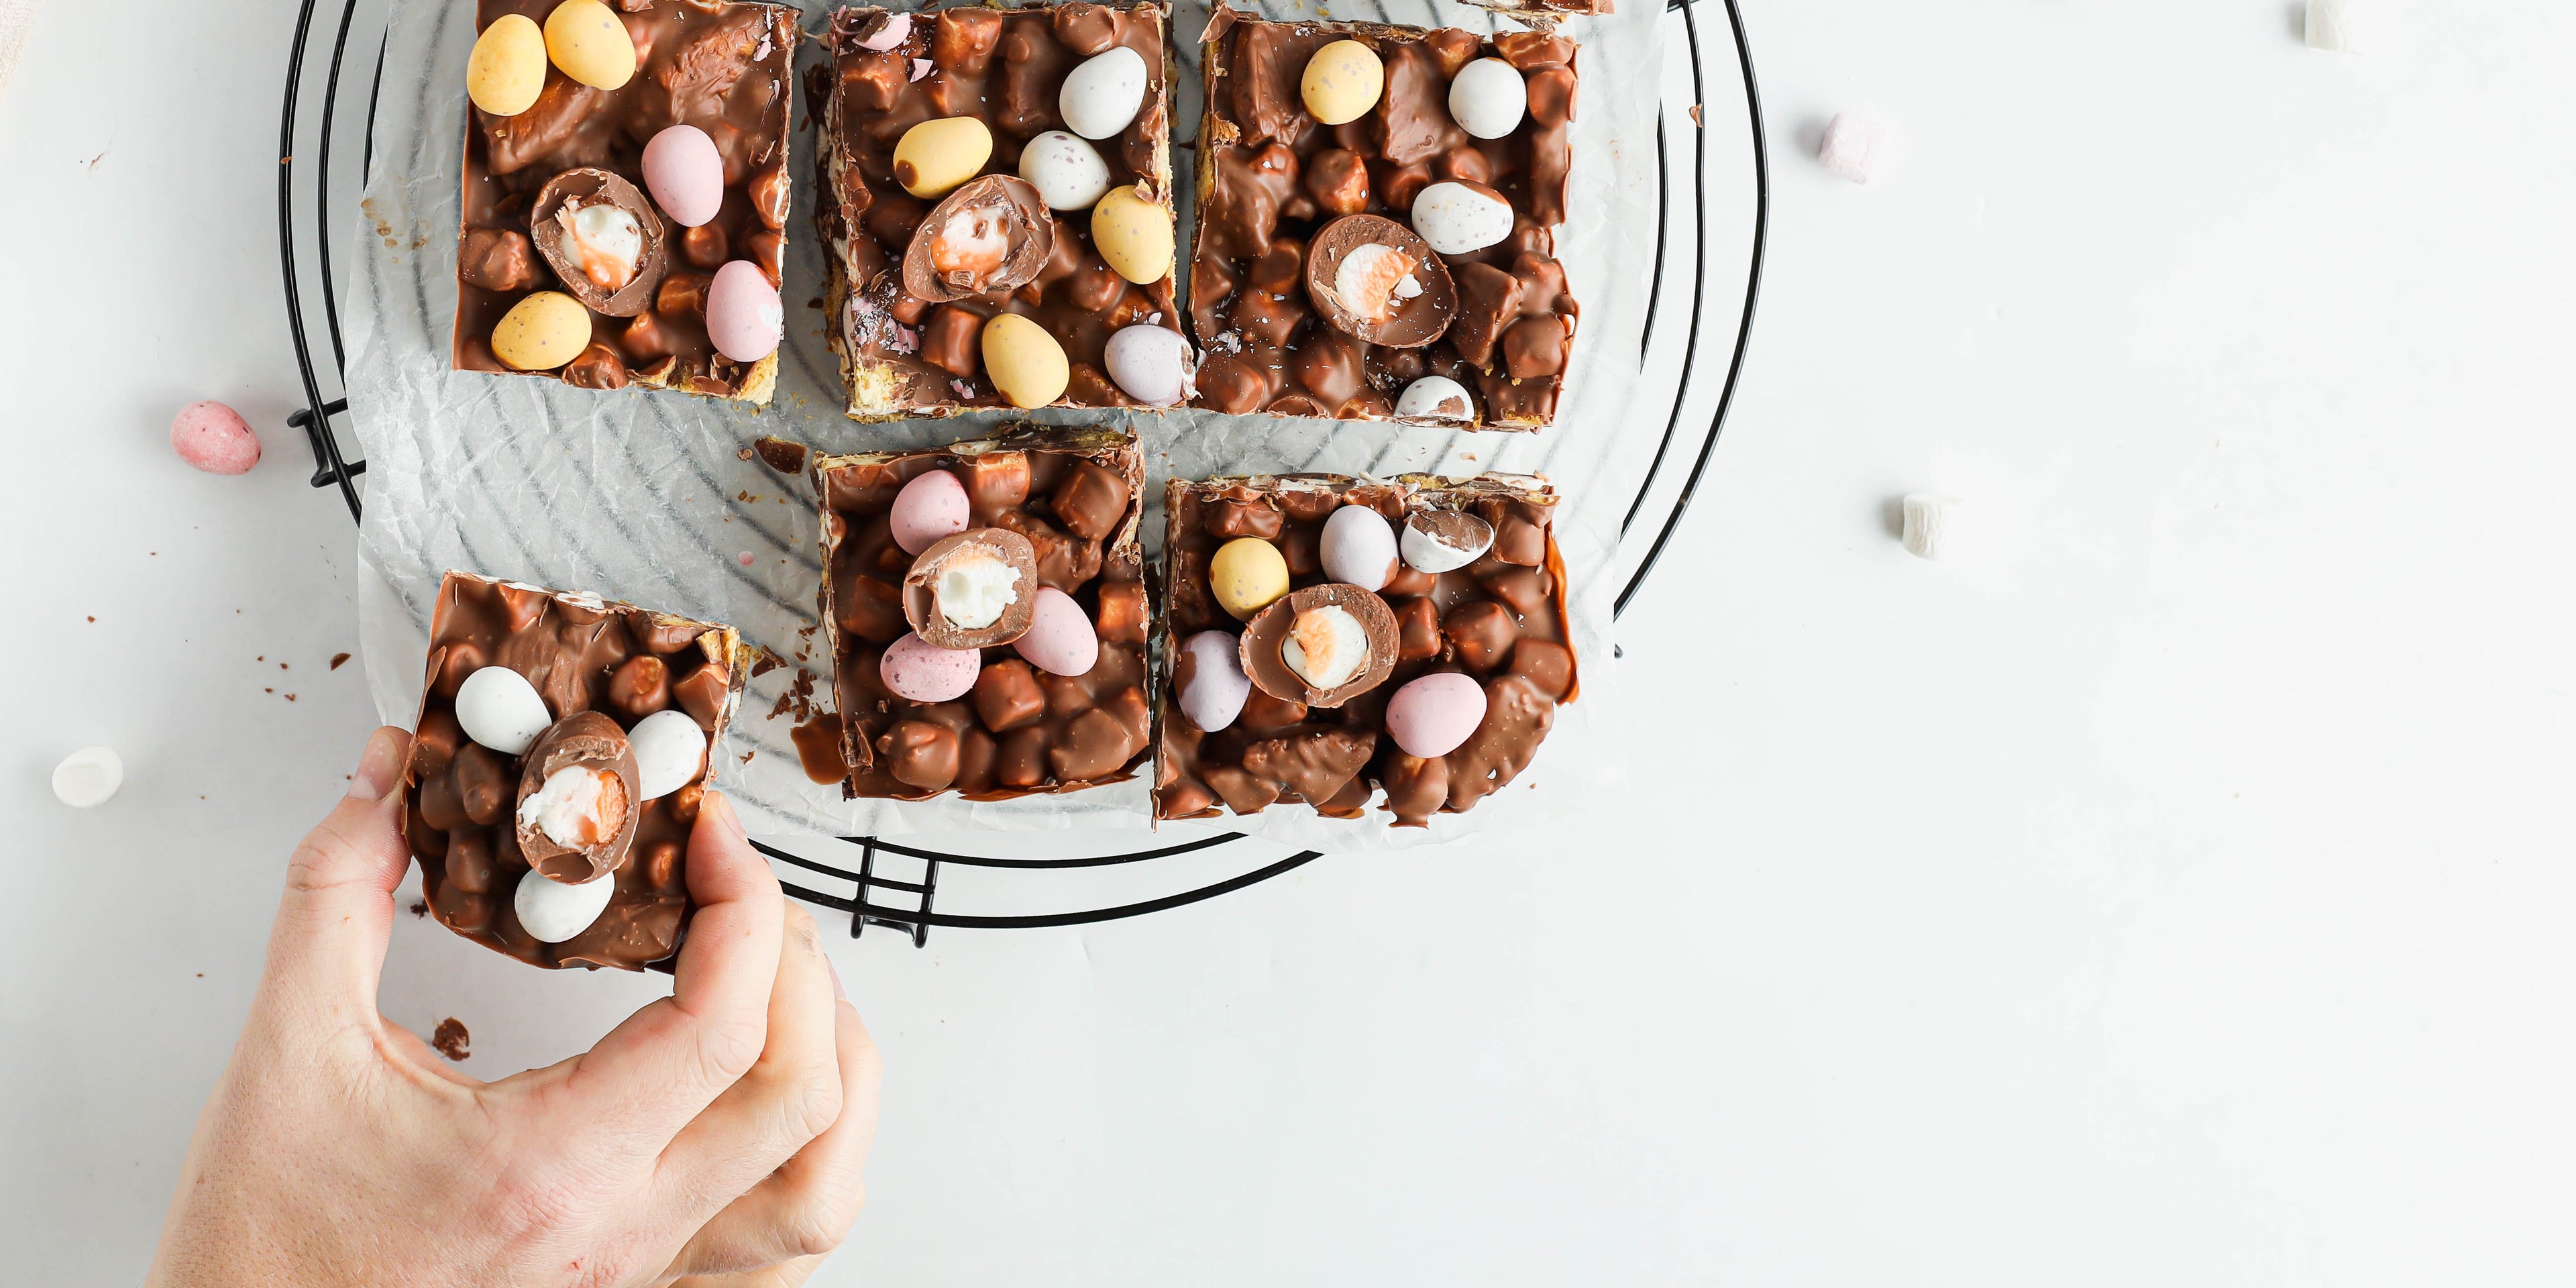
x: 214, y: 438
x: 552, y: 912
x: 1133, y: 234
x: 1488, y: 98
x: 1023, y: 361
x: 542, y: 332
x: 1153, y: 364
x: 1218, y: 687
x: 1435, y: 398
x: 1067, y: 172
x: 1060, y: 640
x: 1245, y: 575
x: 1459, y: 220
x: 685, y: 174
x: 1433, y: 715
x: 499, y: 709
x: 586, y: 40
x: 744, y: 317
x: 507, y: 69
x: 1342, y: 82
x: 1101, y: 96
x: 670, y: 749
x: 930, y: 507
x: 1358, y: 547
x: 935, y: 156
x: 915, y: 668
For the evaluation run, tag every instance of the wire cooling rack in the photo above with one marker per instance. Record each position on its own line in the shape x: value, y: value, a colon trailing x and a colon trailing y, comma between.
x: 306, y: 197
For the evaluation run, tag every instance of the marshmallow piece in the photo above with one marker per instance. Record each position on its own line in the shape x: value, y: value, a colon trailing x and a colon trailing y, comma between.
x: 1856, y: 147
x: 2337, y: 26
x: 87, y: 777
x: 552, y: 912
x: 1927, y: 523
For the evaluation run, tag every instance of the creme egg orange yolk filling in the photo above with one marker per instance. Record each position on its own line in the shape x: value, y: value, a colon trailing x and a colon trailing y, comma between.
x: 577, y: 807
x: 607, y: 241
x: 1326, y: 646
x: 1372, y: 278
x: 972, y: 244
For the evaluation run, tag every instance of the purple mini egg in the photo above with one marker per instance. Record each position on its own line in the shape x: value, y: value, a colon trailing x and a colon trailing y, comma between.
x: 1431, y: 716
x: 685, y: 174
x: 1218, y: 687
x: 928, y: 508
x: 744, y: 317
x: 1060, y: 639
x: 917, y: 669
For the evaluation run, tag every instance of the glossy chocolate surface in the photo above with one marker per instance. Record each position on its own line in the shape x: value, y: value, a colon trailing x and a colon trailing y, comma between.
x: 720, y: 65
x: 1271, y: 178
x: 582, y: 654
x: 904, y: 355
x: 1500, y: 620
x: 1076, y: 495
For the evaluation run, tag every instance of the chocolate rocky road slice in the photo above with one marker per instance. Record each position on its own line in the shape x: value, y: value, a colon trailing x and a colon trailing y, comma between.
x: 721, y: 66
x: 1277, y: 189
x: 912, y: 338
x: 601, y: 685
x: 1496, y: 617
x: 1074, y: 497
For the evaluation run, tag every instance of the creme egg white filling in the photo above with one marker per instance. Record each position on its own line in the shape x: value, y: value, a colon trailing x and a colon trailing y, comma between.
x: 567, y: 807
x: 607, y: 241
x: 1326, y: 647
x: 1372, y: 277
x: 973, y: 590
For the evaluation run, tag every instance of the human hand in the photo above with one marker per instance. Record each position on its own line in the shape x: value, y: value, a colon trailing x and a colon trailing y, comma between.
x: 716, y: 1138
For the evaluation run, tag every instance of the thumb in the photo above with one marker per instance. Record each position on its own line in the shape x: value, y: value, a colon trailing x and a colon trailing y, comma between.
x: 328, y: 944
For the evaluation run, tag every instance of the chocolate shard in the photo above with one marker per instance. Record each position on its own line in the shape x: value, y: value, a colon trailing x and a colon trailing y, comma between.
x: 605, y: 276
x: 993, y: 234
x: 585, y: 741
x: 998, y: 551
x: 1273, y: 628
x: 1357, y: 272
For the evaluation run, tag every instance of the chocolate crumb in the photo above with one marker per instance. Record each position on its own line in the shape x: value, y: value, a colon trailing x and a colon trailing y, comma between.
x: 451, y: 1039
x: 290, y: 697
x: 338, y: 660
x: 783, y: 455
x: 766, y: 662
x: 93, y: 617
x: 746, y: 756
x: 420, y: 907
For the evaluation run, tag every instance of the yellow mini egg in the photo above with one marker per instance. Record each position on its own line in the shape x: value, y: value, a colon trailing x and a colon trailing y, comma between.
x: 1023, y: 361
x: 1246, y: 575
x: 1343, y: 81
x: 542, y: 332
x: 507, y: 67
x: 1133, y: 234
x: 935, y: 156
x: 588, y: 42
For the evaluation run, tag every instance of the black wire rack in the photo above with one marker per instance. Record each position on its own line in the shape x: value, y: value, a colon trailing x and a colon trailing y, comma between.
x: 302, y: 201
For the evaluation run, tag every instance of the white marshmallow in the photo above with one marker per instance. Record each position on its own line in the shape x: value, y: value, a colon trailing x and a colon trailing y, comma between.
x: 2338, y: 26
x: 1435, y: 398
x: 1067, y: 172
x: 553, y: 912
x: 670, y: 749
x: 1488, y: 98
x: 498, y: 708
x: 1459, y: 220
x: 1927, y: 522
x: 1326, y: 646
x: 87, y: 777
x: 1856, y: 147
x: 973, y: 590
x: 1101, y: 96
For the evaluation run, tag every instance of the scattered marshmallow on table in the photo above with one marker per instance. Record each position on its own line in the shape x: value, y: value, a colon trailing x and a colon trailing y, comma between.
x: 214, y: 438
x: 2337, y: 25
x: 87, y: 777
x: 1928, y: 518
x: 1856, y: 147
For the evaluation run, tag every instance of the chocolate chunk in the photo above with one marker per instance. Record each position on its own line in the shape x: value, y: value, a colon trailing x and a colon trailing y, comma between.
x: 972, y: 555
x: 993, y: 234
x: 1393, y: 259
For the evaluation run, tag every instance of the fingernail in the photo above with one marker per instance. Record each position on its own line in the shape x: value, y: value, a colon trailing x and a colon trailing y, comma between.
x: 378, y: 766
x: 837, y: 994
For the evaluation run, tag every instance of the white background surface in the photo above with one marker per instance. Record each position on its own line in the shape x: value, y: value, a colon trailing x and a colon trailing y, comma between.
x: 2174, y: 890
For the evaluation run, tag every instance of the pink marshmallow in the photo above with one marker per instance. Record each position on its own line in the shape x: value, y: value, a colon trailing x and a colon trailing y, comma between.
x: 1856, y: 147
x: 214, y: 438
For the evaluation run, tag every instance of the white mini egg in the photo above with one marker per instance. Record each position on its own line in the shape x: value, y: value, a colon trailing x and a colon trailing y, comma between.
x: 498, y: 708
x: 1459, y: 220
x: 1152, y: 363
x: 1488, y: 98
x: 1067, y: 172
x: 1435, y: 398
x: 670, y: 749
x: 87, y: 777
x: 552, y: 912
x: 1218, y: 687
x: 1358, y: 547
x: 1101, y: 96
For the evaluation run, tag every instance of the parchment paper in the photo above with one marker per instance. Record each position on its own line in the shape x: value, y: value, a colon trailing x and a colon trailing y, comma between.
x: 645, y: 496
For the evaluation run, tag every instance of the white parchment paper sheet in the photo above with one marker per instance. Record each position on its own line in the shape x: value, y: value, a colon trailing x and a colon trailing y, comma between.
x: 644, y: 496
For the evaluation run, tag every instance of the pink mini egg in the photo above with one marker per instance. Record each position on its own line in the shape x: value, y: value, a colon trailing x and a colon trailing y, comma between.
x: 214, y: 438
x: 917, y: 669
x: 1060, y: 639
x: 685, y: 174
x: 1431, y: 716
x: 928, y: 508
x: 744, y: 317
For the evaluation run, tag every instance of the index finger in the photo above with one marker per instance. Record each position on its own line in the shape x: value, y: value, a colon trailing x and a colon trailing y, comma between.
x: 670, y: 1060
